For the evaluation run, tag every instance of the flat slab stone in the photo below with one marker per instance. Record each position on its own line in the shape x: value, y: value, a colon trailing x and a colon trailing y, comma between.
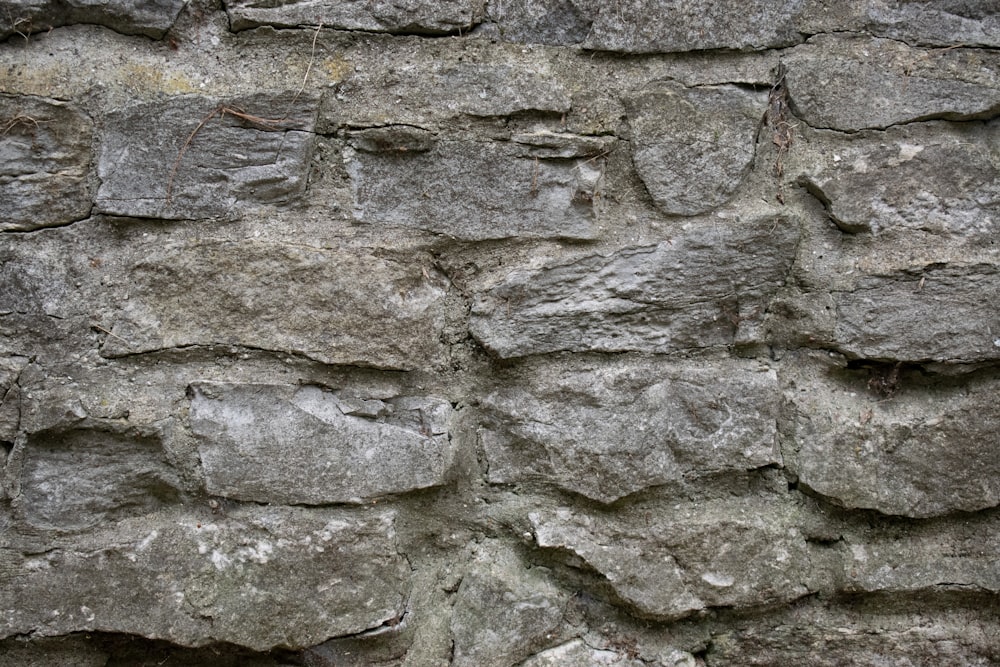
x: 192, y: 157
x: 927, y: 177
x: 334, y: 306
x: 45, y: 160
x: 968, y: 22
x: 261, y: 577
x: 431, y: 17
x: 734, y: 554
x: 307, y: 446
x: 661, y: 26
x: 828, y: 76
x: 922, y: 452
x: 473, y: 190
x: 947, y: 314
x: 630, y: 426
x: 692, y: 147
x: 705, y: 287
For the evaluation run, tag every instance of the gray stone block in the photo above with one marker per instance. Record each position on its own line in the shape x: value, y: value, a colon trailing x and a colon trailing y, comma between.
x: 45, y: 156
x: 306, y: 446
x: 151, y: 18
x: 703, y: 288
x: 432, y: 17
x: 736, y: 554
x: 475, y: 191
x: 853, y: 83
x: 261, y: 577
x: 192, y: 157
x: 630, y: 426
x: 692, y: 147
x: 936, y: 23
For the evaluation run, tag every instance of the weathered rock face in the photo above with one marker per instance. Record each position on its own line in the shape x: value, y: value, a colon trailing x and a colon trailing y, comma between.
x: 398, y: 333
x: 45, y: 149
x: 691, y: 291
x: 331, y: 447
x: 693, y: 147
x: 259, y: 577
x: 633, y: 426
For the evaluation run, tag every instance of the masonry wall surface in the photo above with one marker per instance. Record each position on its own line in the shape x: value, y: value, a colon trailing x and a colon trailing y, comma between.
x: 551, y: 332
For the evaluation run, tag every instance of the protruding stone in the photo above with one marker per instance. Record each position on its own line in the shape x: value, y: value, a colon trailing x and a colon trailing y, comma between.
x: 854, y: 83
x: 630, y: 426
x: 333, y: 306
x: 261, y: 577
x: 929, y: 178
x: 153, y: 19
x: 429, y: 17
x: 692, y: 147
x: 475, y: 191
x: 306, y: 446
x: 706, y: 287
x: 717, y: 554
x: 965, y: 23
x: 45, y: 160
x: 889, y: 443
x: 661, y: 26
x: 191, y: 157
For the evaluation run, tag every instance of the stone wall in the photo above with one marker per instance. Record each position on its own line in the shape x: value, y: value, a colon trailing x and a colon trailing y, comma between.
x: 549, y: 332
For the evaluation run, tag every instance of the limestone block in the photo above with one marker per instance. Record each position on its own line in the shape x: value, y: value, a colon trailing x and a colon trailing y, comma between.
x: 925, y: 451
x: 737, y: 554
x: 475, y: 191
x: 302, y: 445
x: 947, y: 314
x: 658, y: 26
x: 153, y: 18
x: 346, y: 307
x: 504, y: 611
x: 949, y: 23
x: 421, y: 84
x: 925, y: 177
x: 630, y: 426
x: 429, y: 17
x: 557, y: 22
x: 45, y: 160
x: 261, y: 577
x: 80, y: 478
x: 703, y: 288
x: 854, y: 83
x: 692, y: 147
x: 193, y: 157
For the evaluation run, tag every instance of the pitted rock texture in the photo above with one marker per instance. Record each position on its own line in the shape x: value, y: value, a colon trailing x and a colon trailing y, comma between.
x: 398, y: 333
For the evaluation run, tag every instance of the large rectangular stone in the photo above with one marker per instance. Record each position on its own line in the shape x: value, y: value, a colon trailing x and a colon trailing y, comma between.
x: 261, y: 577
x: 432, y: 17
x: 306, y: 445
x: 705, y: 287
x: 630, y: 425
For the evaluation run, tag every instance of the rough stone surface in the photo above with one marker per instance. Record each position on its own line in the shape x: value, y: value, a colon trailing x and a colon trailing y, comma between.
x: 693, y: 147
x: 862, y: 448
x: 657, y: 26
x: 258, y: 577
x: 698, y: 557
x: 503, y: 613
x: 927, y: 178
x: 409, y: 16
x: 829, y: 76
x: 153, y: 19
x: 577, y: 653
x: 949, y: 23
x: 45, y: 152
x: 303, y: 445
x: 632, y: 426
x: 474, y: 191
x: 692, y: 291
x: 197, y: 158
